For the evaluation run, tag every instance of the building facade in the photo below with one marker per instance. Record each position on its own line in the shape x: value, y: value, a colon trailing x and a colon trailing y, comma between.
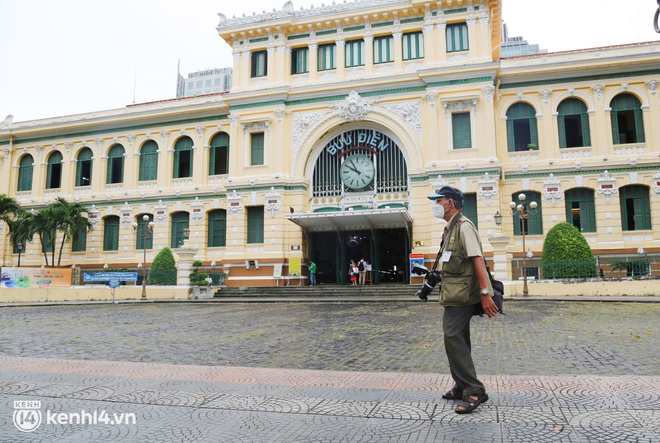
x: 340, y: 121
x: 207, y: 81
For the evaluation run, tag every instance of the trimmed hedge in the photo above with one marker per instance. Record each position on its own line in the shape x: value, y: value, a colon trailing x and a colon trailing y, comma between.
x: 566, y: 254
x: 163, y: 269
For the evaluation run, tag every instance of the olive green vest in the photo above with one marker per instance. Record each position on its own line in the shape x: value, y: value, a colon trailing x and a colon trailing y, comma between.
x: 459, y: 281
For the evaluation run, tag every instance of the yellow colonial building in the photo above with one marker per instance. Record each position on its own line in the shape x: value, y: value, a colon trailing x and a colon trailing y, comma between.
x: 340, y: 121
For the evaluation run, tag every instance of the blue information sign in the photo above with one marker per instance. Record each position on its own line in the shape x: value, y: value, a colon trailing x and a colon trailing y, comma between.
x: 110, y: 276
x: 114, y: 283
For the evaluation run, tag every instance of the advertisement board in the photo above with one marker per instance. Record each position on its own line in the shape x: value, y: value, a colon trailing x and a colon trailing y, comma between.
x: 35, y: 278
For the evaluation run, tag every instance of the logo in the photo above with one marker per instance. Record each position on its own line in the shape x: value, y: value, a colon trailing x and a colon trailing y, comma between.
x: 27, y: 415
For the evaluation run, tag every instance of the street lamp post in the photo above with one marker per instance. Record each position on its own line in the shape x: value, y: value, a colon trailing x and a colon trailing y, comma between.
x: 20, y: 248
x: 145, y: 231
x: 655, y: 18
x: 523, y: 212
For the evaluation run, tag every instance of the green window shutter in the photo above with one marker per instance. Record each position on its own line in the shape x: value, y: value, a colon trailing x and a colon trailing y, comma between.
x: 615, y: 126
x: 111, y: 233
x: 413, y: 45
x: 461, y: 133
x: 257, y: 148
x: 79, y: 241
x: 586, y: 132
x: 148, y: 161
x: 470, y: 208
x: 25, y: 171
x: 255, y: 224
x: 217, y: 231
x: 639, y: 125
x: 180, y: 221
x: 533, y: 129
x: 175, y: 173
x: 49, y: 175
x: 561, y: 130
x: 510, y: 141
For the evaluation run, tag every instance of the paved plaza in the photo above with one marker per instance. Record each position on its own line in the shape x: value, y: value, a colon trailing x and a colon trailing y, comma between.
x: 316, y: 372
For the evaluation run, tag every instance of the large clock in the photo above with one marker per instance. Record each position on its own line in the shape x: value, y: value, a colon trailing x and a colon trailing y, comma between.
x: 357, y: 171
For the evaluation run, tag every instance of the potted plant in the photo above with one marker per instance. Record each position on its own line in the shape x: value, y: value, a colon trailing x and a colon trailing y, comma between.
x: 200, y: 282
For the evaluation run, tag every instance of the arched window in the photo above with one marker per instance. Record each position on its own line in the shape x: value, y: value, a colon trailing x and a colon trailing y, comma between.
x: 580, y: 209
x: 533, y: 225
x: 183, y: 159
x: 25, y: 169
x: 627, y: 121
x: 521, y: 129
x: 217, y: 231
x: 111, y: 233
x: 148, y: 161
x: 180, y: 222
x: 115, y: 165
x: 219, y: 154
x: 573, y: 124
x: 84, y: 168
x: 144, y: 237
x: 54, y: 171
x: 635, y: 208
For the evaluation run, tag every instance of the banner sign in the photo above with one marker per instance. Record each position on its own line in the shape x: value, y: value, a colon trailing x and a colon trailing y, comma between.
x: 109, y: 276
x: 294, y: 267
x: 277, y: 271
x: 35, y: 278
x: 416, y: 260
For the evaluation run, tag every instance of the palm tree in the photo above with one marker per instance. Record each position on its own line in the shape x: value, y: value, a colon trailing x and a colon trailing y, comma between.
x: 19, y: 230
x: 70, y: 221
x: 8, y: 207
x: 44, y: 224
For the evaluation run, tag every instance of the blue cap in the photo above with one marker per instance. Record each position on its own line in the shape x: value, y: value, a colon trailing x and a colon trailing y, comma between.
x: 447, y: 192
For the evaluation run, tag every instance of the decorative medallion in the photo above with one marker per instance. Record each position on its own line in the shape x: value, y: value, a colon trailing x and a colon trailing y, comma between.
x: 273, y: 202
x: 196, y: 211
x: 552, y: 191
x: 354, y: 107
x: 607, y: 187
x: 235, y: 204
x: 487, y: 189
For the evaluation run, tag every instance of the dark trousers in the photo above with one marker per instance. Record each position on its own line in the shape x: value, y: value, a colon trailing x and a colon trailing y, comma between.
x: 456, y: 329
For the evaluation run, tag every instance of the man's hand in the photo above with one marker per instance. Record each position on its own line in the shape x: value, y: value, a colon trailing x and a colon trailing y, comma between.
x: 488, y: 306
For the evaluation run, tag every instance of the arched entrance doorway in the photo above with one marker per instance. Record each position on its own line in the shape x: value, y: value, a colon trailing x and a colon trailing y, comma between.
x: 359, y: 207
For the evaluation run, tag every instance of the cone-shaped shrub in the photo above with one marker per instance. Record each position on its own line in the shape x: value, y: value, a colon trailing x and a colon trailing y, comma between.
x: 566, y: 254
x: 163, y: 269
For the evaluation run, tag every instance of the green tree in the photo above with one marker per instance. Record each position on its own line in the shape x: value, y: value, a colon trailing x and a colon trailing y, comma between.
x: 19, y: 230
x: 43, y: 223
x: 71, y: 219
x: 566, y: 253
x: 9, y: 208
x: 163, y: 269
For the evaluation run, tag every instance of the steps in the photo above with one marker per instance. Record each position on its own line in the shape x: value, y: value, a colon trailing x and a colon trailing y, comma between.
x: 384, y: 290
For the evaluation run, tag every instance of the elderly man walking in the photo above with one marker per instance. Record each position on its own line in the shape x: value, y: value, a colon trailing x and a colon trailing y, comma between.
x: 465, y: 291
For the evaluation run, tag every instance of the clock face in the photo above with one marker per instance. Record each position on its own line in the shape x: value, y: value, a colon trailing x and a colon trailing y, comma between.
x: 357, y: 171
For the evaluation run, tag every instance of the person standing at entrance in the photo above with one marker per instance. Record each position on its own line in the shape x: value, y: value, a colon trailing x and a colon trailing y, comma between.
x: 353, y: 273
x: 312, y: 273
x: 465, y: 289
x: 362, y: 269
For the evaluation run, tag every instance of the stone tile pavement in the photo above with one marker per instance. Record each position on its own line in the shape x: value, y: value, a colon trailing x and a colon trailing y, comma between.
x: 152, y: 402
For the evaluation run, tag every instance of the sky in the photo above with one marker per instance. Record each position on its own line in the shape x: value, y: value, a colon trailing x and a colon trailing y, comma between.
x: 66, y: 57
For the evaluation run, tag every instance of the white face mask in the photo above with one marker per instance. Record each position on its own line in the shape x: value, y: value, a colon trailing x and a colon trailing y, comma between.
x: 438, y: 211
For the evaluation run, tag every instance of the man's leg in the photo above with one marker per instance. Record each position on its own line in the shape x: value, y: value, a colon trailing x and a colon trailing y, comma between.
x: 456, y: 329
